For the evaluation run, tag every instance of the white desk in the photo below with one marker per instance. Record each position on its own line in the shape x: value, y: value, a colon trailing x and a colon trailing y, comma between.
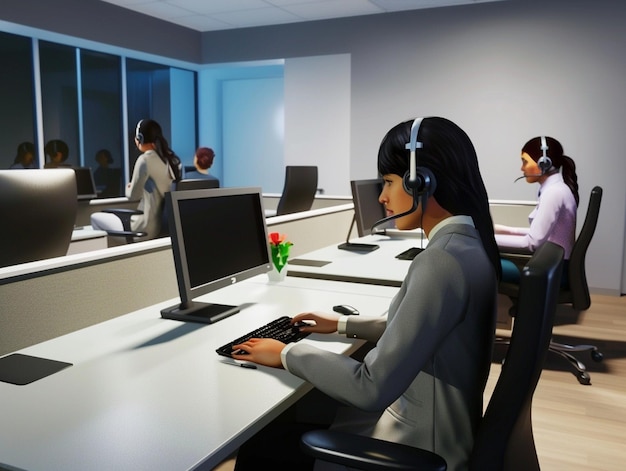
x: 146, y: 393
x: 379, y: 267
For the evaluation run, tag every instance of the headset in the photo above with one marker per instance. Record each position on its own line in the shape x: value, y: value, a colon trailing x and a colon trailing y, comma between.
x: 418, y: 182
x: 138, y: 134
x: 544, y: 162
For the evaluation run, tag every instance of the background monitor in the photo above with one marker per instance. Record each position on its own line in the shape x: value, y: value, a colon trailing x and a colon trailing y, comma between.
x: 367, y: 208
x: 38, y: 212
x: 85, y: 184
x: 219, y: 237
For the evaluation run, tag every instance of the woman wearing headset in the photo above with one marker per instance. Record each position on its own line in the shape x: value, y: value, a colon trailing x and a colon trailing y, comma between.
x: 155, y: 170
x: 554, y: 217
x: 422, y: 382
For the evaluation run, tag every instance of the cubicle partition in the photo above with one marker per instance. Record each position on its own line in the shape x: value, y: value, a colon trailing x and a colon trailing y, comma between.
x: 49, y: 298
x: 43, y: 300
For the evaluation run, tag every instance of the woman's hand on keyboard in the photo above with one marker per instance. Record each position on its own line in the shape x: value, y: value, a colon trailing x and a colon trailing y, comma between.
x: 262, y: 351
x: 320, y: 322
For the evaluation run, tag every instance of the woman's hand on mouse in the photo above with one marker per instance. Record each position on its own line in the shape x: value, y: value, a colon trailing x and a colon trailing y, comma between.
x: 321, y: 322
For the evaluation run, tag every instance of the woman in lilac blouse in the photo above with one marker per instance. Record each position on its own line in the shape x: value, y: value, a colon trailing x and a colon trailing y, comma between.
x: 554, y: 217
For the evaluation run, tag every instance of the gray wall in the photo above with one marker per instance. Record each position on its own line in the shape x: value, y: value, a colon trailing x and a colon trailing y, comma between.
x: 504, y: 71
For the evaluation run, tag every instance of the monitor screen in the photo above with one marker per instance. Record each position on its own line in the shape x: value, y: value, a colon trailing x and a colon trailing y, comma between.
x: 85, y: 184
x: 367, y: 208
x: 219, y: 237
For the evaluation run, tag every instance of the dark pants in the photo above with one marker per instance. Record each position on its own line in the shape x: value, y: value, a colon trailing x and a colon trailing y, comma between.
x: 277, y: 445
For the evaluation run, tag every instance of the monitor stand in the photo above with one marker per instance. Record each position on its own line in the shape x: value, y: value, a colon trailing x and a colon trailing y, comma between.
x: 205, y: 313
x: 356, y: 246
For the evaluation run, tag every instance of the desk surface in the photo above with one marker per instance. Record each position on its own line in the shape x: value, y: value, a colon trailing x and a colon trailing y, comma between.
x: 149, y: 393
x: 379, y: 267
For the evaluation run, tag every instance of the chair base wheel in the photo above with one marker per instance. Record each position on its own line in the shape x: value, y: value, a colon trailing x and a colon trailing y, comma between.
x: 596, y: 356
x: 583, y: 378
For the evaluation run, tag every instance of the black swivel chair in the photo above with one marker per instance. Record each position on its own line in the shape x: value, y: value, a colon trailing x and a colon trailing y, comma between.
x: 37, y: 213
x: 298, y: 191
x: 126, y: 214
x: 575, y: 292
x: 504, y: 440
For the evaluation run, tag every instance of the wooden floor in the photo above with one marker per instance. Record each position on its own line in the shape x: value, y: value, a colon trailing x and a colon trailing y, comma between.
x: 583, y: 427
x: 579, y: 427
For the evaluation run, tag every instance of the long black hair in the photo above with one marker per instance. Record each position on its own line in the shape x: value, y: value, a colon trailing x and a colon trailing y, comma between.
x: 449, y: 154
x: 558, y: 158
x: 148, y: 131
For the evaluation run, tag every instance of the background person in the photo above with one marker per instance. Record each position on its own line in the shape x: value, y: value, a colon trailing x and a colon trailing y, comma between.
x: 155, y: 170
x: 202, y: 160
x: 554, y: 217
x: 57, y: 152
x: 25, y: 157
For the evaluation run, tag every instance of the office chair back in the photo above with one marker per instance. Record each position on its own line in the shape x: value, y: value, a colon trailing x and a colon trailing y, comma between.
x: 195, y: 184
x: 577, y: 293
x: 504, y: 439
x: 299, y: 189
x: 37, y: 212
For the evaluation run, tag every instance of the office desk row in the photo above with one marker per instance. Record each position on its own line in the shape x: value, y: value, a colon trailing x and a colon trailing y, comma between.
x: 378, y: 267
x: 145, y: 393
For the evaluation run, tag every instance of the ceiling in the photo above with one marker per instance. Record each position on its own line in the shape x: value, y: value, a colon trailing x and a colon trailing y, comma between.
x: 213, y: 15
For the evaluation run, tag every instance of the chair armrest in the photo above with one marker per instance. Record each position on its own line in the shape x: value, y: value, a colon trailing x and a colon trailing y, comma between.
x: 125, y: 214
x: 366, y: 453
x: 126, y: 233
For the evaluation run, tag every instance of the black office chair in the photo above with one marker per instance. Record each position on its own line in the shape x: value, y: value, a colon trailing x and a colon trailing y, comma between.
x: 125, y: 215
x: 504, y: 440
x: 575, y: 292
x: 298, y: 191
x: 37, y: 213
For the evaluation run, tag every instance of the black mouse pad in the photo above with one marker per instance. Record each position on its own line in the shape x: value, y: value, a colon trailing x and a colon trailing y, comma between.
x: 307, y: 262
x: 24, y: 369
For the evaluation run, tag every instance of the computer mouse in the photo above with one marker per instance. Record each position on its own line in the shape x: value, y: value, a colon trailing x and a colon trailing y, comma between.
x: 346, y: 310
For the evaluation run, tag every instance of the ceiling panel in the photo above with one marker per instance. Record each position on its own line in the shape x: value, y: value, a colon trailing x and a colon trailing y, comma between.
x: 213, y: 15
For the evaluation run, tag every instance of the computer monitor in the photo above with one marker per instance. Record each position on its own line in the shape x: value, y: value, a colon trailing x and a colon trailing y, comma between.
x: 85, y: 184
x: 367, y: 209
x: 219, y: 237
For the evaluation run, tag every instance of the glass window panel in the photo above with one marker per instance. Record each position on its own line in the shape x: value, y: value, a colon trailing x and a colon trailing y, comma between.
x: 17, y: 115
x: 167, y: 95
x: 147, y: 96
x: 60, y: 100
x: 102, y: 120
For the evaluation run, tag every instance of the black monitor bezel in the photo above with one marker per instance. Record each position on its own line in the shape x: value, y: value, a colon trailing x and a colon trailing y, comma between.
x: 94, y: 190
x: 187, y: 292
x: 359, y: 205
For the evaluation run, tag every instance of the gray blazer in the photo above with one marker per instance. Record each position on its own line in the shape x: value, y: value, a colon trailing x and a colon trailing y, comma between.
x: 423, y: 383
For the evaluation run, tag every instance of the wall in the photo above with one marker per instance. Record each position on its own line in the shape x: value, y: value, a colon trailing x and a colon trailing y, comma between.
x: 505, y: 71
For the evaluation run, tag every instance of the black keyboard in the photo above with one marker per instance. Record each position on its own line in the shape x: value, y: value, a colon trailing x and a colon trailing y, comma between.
x: 279, y: 329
